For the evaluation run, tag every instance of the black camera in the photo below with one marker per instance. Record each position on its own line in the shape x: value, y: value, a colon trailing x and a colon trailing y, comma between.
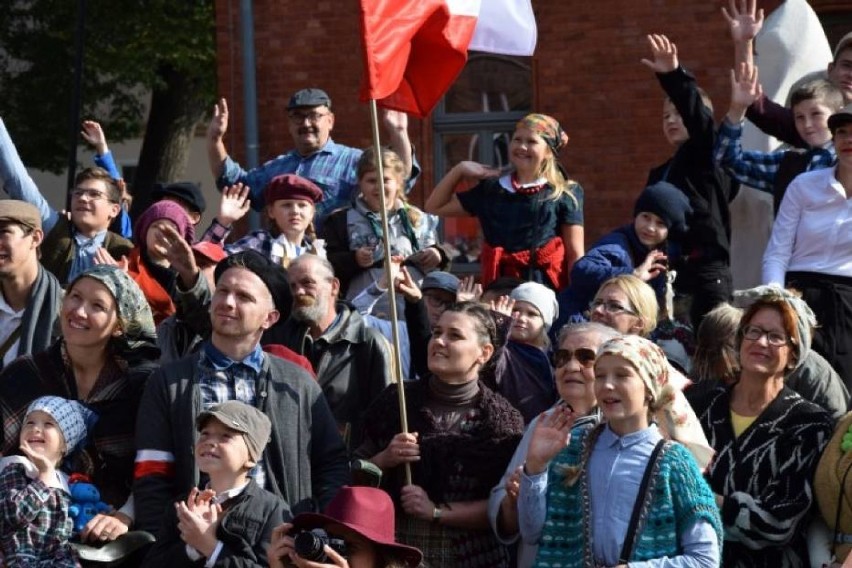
x: 310, y: 545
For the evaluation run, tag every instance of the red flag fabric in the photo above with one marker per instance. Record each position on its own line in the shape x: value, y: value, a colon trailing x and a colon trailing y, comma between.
x: 414, y: 50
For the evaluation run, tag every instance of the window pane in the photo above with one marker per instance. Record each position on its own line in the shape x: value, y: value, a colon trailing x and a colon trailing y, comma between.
x: 492, y: 83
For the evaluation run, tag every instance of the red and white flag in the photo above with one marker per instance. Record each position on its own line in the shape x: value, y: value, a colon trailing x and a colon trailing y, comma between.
x: 415, y: 49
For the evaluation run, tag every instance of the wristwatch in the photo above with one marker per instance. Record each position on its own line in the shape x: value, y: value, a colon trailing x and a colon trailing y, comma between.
x: 436, y: 514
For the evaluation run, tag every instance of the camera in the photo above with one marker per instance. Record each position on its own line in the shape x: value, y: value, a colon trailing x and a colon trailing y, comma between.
x: 310, y: 545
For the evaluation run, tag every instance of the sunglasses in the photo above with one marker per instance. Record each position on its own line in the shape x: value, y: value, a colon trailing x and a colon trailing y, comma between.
x: 585, y: 357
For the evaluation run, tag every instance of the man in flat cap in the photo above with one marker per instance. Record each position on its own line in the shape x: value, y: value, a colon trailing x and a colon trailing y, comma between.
x: 316, y: 156
x: 305, y: 462
x: 29, y: 294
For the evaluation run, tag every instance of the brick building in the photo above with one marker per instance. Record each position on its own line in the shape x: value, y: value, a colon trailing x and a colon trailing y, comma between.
x: 586, y: 72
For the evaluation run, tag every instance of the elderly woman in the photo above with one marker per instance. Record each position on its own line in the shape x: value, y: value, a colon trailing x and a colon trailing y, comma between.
x: 620, y: 492
x: 767, y: 438
x: 574, y: 362
x: 103, y: 359
x: 461, y: 437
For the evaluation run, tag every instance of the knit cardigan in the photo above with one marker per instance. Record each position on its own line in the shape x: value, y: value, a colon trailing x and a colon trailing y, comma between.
x: 765, y: 477
x: 679, y: 498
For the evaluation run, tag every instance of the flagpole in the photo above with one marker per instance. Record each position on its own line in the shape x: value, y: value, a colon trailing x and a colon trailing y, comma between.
x: 377, y: 151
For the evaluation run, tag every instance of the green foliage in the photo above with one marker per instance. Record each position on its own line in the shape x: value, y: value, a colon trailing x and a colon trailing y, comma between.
x: 127, y: 44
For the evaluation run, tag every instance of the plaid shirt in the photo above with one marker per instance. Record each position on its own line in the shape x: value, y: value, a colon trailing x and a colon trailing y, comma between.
x: 34, y: 520
x: 221, y: 379
x: 758, y: 169
x: 333, y: 169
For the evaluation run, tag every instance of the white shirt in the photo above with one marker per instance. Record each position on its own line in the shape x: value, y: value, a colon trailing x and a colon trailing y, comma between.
x: 812, y: 231
x: 10, y: 320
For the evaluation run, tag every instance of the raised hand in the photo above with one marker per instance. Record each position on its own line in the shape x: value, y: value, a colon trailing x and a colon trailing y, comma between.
x: 744, y: 20
x: 234, y: 204
x: 745, y: 89
x: 503, y: 305
x: 219, y: 123
x: 653, y: 264
x: 664, y: 52
x: 551, y: 435
x: 178, y: 253
x: 394, y: 120
x: 45, y: 466
x: 196, y: 530
x: 102, y: 256
x: 408, y: 286
x: 94, y: 135
x: 469, y: 290
x: 475, y: 171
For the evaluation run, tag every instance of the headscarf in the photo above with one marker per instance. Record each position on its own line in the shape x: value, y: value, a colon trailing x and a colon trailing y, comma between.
x: 669, y: 407
x: 133, y: 308
x: 73, y: 418
x: 168, y: 210
x: 805, y: 319
x: 547, y: 127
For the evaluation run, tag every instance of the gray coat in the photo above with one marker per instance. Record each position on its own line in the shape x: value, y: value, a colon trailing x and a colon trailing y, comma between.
x: 305, y: 461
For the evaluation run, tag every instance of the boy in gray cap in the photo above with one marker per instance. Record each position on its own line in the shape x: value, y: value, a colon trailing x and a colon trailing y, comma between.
x: 231, y: 520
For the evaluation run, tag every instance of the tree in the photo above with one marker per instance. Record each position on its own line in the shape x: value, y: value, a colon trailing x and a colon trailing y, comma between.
x: 132, y: 47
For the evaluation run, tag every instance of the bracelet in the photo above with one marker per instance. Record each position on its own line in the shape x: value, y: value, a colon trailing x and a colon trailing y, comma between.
x: 436, y: 514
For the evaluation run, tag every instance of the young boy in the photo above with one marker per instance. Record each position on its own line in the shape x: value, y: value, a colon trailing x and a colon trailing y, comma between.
x: 231, y: 521
x: 704, y: 271
x: 812, y: 103
x: 69, y: 246
x: 34, y: 522
x: 639, y: 248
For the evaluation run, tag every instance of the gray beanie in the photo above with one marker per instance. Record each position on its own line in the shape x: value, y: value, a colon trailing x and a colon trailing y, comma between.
x: 539, y: 296
x: 805, y: 318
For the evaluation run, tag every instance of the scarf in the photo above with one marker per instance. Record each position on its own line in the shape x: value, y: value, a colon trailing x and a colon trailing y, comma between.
x: 40, y: 314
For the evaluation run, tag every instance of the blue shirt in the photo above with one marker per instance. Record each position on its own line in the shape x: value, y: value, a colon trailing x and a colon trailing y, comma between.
x: 616, y: 467
x: 125, y: 224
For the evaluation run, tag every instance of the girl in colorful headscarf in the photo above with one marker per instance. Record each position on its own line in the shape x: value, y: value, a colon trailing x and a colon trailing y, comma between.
x: 597, y: 509
x: 531, y: 217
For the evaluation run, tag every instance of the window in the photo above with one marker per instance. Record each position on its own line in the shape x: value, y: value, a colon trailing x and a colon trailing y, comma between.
x: 475, y: 122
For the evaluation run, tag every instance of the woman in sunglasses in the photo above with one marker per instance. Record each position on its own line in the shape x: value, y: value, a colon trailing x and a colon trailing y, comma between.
x: 573, y: 362
x: 768, y: 438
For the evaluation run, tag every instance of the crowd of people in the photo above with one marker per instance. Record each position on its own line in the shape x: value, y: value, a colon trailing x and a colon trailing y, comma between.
x: 292, y: 397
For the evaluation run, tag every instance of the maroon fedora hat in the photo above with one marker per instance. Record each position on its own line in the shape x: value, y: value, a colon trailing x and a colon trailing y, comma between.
x: 367, y: 511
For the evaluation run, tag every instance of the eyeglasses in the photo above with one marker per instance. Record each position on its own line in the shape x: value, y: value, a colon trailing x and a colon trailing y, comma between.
x: 610, y: 307
x: 437, y: 302
x: 92, y: 194
x: 312, y: 117
x: 774, y: 338
x: 585, y: 357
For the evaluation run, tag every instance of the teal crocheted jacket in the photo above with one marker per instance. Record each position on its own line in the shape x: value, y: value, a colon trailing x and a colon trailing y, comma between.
x: 679, y: 497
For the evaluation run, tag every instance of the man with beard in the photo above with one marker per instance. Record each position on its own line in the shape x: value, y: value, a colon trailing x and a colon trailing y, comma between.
x: 29, y: 294
x: 316, y: 156
x: 305, y: 462
x: 352, y: 361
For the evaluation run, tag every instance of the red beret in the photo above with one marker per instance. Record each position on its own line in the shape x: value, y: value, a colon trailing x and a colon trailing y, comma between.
x: 291, y: 186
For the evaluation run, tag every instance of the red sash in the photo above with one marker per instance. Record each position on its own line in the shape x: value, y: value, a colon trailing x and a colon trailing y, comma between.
x: 549, y: 257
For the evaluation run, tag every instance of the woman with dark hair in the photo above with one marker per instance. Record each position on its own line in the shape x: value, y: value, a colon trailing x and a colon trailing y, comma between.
x: 461, y: 437
x: 363, y: 519
x: 768, y: 438
x: 107, y: 350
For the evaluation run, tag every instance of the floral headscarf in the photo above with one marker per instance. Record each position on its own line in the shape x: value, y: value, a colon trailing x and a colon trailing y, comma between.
x: 547, y: 127
x: 669, y: 407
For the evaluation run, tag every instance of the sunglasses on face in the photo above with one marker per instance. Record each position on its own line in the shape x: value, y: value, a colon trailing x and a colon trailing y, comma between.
x: 585, y: 357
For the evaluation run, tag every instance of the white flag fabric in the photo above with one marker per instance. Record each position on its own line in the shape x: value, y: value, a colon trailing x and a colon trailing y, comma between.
x: 506, y: 27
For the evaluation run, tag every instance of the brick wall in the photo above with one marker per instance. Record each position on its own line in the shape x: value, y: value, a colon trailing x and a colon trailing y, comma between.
x: 587, y: 74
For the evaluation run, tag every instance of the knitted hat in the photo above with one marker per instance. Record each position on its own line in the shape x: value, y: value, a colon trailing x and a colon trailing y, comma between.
x: 666, y: 202
x: 547, y: 127
x: 133, y: 308
x: 168, y: 210
x: 805, y: 318
x: 669, y: 406
x: 273, y: 275
x: 253, y: 424
x: 70, y: 415
x: 188, y: 192
x: 291, y: 186
x: 539, y: 296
